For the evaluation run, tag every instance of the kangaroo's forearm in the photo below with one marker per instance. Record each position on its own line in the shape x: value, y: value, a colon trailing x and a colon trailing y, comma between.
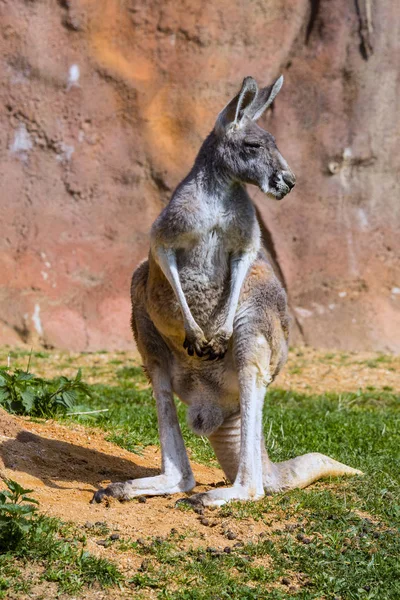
x: 240, y: 265
x: 166, y: 259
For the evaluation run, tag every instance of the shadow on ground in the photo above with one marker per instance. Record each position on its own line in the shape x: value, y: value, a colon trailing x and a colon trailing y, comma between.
x: 54, y: 461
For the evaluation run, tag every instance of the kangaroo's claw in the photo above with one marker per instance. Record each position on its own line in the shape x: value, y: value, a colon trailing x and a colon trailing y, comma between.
x: 193, y: 501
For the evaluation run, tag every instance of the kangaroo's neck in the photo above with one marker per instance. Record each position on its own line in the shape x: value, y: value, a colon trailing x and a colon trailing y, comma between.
x: 209, y: 178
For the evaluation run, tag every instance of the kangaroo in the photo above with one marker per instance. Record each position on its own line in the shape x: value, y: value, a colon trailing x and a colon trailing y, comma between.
x: 210, y: 317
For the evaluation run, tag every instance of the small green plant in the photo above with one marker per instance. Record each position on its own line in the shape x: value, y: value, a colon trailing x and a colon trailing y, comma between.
x: 22, y: 393
x: 17, y: 512
x: 26, y: 536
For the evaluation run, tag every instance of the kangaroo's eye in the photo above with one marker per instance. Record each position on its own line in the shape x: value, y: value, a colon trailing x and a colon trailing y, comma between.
x: 250, y: 144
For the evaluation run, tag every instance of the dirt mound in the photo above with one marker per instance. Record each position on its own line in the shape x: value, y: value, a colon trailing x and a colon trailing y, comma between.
x: 65, y: 465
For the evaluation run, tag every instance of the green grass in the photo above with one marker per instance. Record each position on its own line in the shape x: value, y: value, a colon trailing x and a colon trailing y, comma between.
x: 325, y: 555
x: 22, y: 393
x: 204, y: 573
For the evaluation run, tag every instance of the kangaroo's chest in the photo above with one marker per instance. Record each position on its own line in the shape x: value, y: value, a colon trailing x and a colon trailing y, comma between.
x: 203, y: 254
x: 206, y: 257
x: 217, y: 233
x: 204, y: 264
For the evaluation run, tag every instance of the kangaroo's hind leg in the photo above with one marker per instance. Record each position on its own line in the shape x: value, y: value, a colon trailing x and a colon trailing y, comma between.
x: 238, y: 442
x: 176, y: 473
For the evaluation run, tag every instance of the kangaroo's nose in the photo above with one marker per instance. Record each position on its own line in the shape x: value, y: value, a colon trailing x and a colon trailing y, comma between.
x: 289, y: 178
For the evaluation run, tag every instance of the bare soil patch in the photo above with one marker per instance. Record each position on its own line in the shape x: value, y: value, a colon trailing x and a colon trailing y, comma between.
x: 65, y: 465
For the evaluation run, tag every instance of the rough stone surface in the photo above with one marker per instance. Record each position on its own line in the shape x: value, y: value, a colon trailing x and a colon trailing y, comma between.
x: 103, y: 106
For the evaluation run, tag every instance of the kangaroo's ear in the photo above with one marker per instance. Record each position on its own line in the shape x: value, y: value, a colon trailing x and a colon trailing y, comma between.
x: 264, y: 98
x: 240, y: 105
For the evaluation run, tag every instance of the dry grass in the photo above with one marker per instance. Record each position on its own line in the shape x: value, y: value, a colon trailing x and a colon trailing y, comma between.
x: 307, y: 370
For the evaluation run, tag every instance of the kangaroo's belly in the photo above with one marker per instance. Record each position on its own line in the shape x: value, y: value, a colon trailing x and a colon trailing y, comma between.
x: 204, y: 273
x: 204, y: 382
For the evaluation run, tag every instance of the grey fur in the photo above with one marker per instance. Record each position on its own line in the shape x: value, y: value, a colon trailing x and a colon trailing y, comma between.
x: 210, y: 317
x: 205, y: 418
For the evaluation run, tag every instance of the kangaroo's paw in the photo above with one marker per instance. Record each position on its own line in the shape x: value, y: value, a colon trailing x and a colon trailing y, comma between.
x: 212, y: 349
x: 218, y: 344
x: 302, y: 471
x: 221, y: 496
x: 195, y: 342
x: 148, y: 486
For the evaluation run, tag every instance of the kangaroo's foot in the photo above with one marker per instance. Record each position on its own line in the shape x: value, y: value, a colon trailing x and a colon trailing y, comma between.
x: 148, y: 486
x: 221, y: 496
x: 302, y: 471
x: 277, y: 477
x: 281, y: 477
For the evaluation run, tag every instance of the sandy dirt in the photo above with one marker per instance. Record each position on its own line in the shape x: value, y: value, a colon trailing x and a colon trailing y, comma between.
x: 65, y: 465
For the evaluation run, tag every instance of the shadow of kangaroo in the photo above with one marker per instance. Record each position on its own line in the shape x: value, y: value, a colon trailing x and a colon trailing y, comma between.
x: 210, y: 317
x: 55, y: 461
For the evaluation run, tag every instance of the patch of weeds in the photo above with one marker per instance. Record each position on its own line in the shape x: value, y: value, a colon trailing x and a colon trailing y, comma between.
x: 22, y: 393
x: 11, y: 577
x: 17, y: 512
x: 26, y: 536
x: 84, y: 570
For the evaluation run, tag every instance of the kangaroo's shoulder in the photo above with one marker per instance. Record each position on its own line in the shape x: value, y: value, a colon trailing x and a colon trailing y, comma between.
x: 180, y: 215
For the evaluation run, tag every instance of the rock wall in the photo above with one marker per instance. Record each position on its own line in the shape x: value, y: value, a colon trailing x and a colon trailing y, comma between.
x: 103, y: 106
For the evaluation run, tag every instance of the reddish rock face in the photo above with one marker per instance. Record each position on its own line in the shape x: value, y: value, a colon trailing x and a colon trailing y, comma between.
x: 103, y: 107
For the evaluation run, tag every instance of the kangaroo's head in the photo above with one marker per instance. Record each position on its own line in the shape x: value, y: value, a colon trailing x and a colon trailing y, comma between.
x: 246, y: 152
